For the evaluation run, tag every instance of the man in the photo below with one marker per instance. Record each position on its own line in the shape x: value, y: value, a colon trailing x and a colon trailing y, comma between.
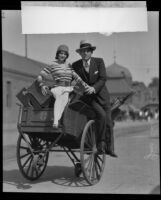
x: 92, y: 71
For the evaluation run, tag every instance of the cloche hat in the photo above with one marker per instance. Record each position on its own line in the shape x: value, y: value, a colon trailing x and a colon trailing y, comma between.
x: 85, y: 45
x: 64, y: 48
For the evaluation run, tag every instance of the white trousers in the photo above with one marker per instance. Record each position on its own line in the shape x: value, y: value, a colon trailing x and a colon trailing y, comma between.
x: 61, y: 95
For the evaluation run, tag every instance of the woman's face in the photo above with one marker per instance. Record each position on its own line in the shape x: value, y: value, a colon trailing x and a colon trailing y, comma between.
x: 62, y: 56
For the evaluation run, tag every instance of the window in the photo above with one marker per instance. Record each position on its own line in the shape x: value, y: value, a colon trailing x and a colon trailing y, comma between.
x: 8, y: 94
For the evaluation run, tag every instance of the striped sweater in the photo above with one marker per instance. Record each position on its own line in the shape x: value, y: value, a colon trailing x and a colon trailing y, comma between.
x: 62, y: 72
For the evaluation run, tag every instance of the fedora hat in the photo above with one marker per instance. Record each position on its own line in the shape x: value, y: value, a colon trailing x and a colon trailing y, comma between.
x: 85, y: 45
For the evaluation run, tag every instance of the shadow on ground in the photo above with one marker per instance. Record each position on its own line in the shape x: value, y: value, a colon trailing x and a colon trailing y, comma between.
x: 9, y: 152
x: 55, y: 174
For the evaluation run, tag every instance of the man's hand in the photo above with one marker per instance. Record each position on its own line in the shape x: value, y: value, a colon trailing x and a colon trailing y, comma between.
x: 90, y: 90
x: 44, y: 90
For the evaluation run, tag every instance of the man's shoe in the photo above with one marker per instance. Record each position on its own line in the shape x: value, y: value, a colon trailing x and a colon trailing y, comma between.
x: 111, y: 153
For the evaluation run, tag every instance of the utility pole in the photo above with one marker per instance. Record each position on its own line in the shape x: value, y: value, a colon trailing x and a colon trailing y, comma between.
x: 26, y: 45
x: 114, y: 47
x: 114, y: 56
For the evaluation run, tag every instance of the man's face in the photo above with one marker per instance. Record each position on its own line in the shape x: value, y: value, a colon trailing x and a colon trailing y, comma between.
x: 85, y: 54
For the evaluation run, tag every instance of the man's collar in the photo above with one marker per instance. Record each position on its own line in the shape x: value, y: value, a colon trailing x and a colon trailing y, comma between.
x: 88, y: 61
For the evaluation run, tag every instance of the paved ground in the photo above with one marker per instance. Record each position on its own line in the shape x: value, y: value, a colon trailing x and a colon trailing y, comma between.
x: 135, y: 171
x: 10, y: 134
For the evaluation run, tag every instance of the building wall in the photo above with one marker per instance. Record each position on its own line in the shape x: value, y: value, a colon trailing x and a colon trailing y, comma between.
x: 12, y: 84
x: 142, y: 96
x: 154, y: 94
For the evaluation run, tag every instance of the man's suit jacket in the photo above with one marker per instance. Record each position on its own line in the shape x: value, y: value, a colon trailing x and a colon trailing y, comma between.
x: 97, y: 79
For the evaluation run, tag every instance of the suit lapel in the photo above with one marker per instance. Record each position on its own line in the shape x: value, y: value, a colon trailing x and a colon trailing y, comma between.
x: 82, y: 71
x: 92, y: 69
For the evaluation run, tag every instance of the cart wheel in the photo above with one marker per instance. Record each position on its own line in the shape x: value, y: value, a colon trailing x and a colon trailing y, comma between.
x: 78, y: 169
x: 31, y: 165
x: 91, y: 161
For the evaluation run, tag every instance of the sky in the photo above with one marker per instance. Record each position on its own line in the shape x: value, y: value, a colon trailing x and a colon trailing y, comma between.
x: 137, y: 51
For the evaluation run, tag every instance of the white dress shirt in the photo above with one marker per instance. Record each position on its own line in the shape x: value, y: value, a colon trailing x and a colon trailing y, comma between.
x: 86, y: 65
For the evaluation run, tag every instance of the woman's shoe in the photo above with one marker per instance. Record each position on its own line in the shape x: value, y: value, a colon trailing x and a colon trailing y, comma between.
x: 55, y: 126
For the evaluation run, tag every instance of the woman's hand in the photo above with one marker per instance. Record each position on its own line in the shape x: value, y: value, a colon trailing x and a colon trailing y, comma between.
x: 44, y: 90
x: 39, y: 79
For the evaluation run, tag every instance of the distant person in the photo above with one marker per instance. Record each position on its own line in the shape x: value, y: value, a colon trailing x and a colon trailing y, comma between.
x: 141, y: 115
x: 156, y: 114
x: 92, y: 71
x: 62, y: 75
x: 148, y: 114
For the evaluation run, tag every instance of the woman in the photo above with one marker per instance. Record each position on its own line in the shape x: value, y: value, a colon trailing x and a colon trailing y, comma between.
x: 62, y: 74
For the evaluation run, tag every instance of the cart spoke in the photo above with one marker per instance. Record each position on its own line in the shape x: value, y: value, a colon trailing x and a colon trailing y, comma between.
x: 86, y: 160
x: 91, y: 168
x: 40, y: 140
x: 24, y: 155
x: 26, y: 161
x: 31, y: 139
x: 89, y: 139
x: 95, y: 165
x: 91, y: 134
x: 44, y: 144
x: 26, y: 140
x: 22, y: 147
x: 36, y: 170
x: 87, y: 144
x: 29, y: 166
x: 98, y: 164
x: 89, y: 163
x: 100, y: 158
x: 94, y: 170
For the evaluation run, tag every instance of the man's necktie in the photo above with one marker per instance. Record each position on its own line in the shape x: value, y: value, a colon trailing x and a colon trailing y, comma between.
x: 86, y: 66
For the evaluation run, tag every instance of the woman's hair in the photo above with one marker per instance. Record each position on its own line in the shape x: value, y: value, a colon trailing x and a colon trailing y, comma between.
x: 57, y: 54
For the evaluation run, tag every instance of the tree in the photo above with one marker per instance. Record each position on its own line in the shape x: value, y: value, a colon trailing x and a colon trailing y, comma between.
x: 154, y: 82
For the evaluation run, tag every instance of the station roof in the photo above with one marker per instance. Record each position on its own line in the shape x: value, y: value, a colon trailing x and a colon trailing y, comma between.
x: 117, y: 86
x: 116, y: 70
x: 22, y: 64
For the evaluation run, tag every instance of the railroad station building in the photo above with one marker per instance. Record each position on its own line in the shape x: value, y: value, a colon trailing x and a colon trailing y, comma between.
x: 119, y: 80
x: 20, y: 71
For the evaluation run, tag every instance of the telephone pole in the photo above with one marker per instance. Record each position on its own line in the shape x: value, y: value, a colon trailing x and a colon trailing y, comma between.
x: 26, y: 55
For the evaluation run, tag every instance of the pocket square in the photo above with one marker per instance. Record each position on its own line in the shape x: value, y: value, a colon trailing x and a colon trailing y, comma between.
x: 96, y: 72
